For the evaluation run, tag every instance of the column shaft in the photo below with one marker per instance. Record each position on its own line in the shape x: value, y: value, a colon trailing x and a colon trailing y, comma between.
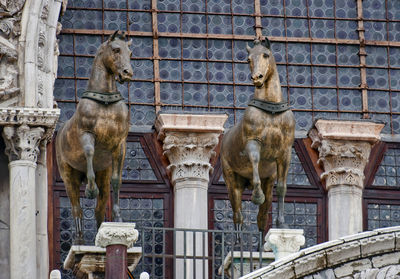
x: 117, y: 263
x: 22, y: 219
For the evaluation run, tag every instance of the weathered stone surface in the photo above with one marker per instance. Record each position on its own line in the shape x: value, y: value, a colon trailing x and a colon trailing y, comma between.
x: 55, y: 274
x: 111, y: 233
x: 387, y: 259
x: 285, y: 271
x: 284, y: 242
x: 326, y: 274
x: 352, y: 267
x: 310, y: 263
x: 343, y: 253
x: 377, y: 244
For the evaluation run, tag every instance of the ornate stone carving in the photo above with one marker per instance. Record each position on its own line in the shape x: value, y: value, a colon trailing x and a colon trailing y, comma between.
x: 189, y: 140
x: 22, y: 143
x: 111, y: 233
x: 284, y: 242
x: 189, y: 154
x: 10, y: 17
x: 344, y: 148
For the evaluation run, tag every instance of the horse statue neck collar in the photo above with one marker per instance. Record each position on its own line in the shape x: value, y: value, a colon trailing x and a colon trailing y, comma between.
x: 104, y: 98
x: 269, y: 107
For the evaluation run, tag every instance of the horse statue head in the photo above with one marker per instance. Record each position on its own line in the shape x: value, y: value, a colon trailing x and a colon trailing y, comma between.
x: 112, y: 62
x: 261, y: 61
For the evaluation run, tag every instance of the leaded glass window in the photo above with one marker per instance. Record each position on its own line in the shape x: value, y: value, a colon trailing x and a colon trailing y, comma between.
x: 191, y: 56
x: 383, y: 215
x: 137, y: 165
x: 388, y: 173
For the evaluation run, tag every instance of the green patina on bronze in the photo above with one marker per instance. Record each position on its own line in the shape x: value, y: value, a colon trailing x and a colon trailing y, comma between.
x: 90, y: 147
x: 104, y: 98
x: 256, y: 152
x: 269, y: 107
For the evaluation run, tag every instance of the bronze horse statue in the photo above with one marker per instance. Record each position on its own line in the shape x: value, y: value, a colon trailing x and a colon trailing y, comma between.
x: 91, y: 145
x: 256, y: 152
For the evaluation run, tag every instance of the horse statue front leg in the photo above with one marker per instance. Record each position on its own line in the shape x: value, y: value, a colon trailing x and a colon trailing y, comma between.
x: 253, y: 151
x: 117, y: 166
x: 87, y: 141
x: 282, y: 170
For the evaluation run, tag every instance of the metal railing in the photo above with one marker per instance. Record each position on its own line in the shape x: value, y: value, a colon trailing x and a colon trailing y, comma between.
x: 195, y: 253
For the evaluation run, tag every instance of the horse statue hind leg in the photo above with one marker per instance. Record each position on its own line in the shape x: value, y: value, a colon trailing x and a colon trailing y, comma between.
x: 257, y: 150
x: 91, y: 145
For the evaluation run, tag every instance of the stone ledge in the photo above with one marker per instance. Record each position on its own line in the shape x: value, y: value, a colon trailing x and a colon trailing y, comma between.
x: 356, y: 251
x: 204, y: 123
x: 29, y: 116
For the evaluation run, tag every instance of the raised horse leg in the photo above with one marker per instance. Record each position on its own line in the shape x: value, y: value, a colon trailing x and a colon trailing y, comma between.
x: 282, y: 171
x: 253, y: 152
x: 103, y: 182
x: 262, y: 217
x: 117, y: 165
x: 87, y: 141
x: 72, y: 180
x: 235, y: 187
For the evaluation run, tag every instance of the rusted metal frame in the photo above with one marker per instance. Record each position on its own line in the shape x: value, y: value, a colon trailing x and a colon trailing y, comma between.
x: 311, y: 63
x: 181, y: 58
x: 128, y: 84
x: 362, y: 53
x: 221, y: 14
x: 257, y: 15
x: 156, y: 57
x: 388, y: 61
x: 75, y: 79
x: 207, y: 58
x: 233, y: 66
x: 286, y: 53
x: 336, y: 60
x: 234, y: 37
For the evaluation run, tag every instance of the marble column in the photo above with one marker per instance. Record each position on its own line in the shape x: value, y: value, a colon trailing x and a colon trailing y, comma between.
x: 284, y: 242
x: 22, y: 148
x: 116, y: 238
x: 189, y: 140
x: 344, y: 148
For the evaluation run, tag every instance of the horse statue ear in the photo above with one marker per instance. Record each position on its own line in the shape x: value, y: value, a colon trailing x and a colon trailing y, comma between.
x: 248, y: 48
x: 112, y: 37
x: 130, y: 42
x: 267, y: 43
x: 123, y: 35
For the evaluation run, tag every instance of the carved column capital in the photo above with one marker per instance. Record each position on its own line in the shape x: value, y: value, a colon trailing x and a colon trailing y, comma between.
x: 22, y: 142
x: 114, y: 233
x: 189, y: 140
x: 284, y: 242
x: 344, y: 148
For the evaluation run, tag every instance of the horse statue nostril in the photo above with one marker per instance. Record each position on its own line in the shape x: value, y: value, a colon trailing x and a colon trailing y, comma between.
x: 260, y: 76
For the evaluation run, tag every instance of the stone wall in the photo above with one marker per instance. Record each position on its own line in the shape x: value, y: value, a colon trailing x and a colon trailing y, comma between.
x: 374, y: 254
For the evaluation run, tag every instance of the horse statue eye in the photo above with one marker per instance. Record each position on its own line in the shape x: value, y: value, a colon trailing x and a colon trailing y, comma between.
x: 116, y: 50
x: 265, y: 55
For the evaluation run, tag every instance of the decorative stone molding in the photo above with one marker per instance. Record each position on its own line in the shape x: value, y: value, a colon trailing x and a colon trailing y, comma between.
x: 22, y: 143
x: 189, y: 140
x: 284, y: 242
x: 344, y: 148
x: 111, y: 233
x: 342, y: 258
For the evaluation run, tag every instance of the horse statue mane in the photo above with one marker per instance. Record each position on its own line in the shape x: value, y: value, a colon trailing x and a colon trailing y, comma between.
x: 91, y: 145
x: 256, y: 152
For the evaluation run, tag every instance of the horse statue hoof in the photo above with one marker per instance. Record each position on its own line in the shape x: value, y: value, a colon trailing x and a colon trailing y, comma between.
x: 258, y: 199
x: 91, y: 193
x: 282, y: 225
x: 79, y: 241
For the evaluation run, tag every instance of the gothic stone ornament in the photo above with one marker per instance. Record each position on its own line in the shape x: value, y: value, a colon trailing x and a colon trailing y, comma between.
x: 257, y: 150
x: 91, y: 145
x: 22, y: 143
x: 189, y: 154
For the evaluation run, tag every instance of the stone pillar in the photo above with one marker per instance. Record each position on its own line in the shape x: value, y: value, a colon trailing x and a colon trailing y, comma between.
x: 284, y: 242
x: 344, y: 148
x: 22, y: 148
x: 189, y: 140
x: 116, y: 238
